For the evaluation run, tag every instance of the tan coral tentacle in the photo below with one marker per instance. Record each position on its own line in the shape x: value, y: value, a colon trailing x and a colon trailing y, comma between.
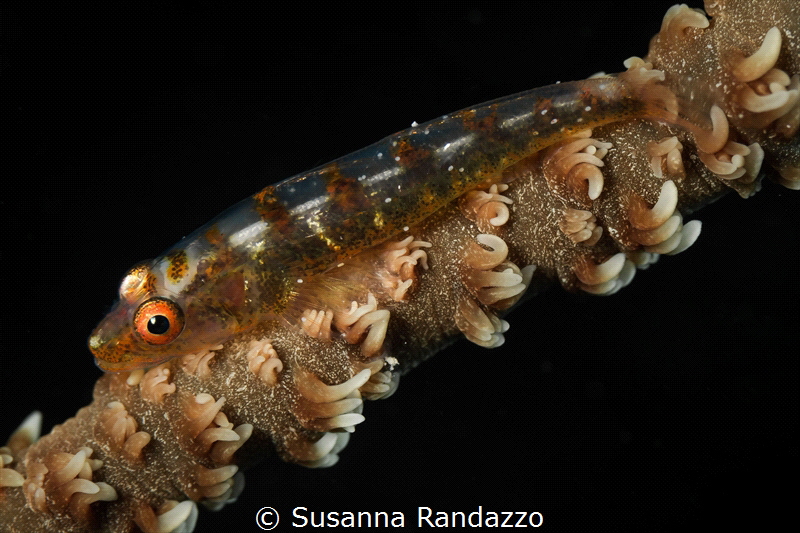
x: 482, y: 327
x: 788, y: 123
x: 491, y: 286
x: 489, y: 209
x: 493, y: 280
x: 666, y: 159
x: 790, y: 177
x: 572, y: 168
x: 120, y: 429
x: 323, y: 407
x: 321, y: 453
x: 312, y: 451
x: 205, y: 423
x: 646, y: 80
x: 171, y: 517
x: 313, y: 389
x: 155, y: 385
x: 728, y: 159
x: 604, y: 278
x: 757, y: 64
x: 660, y: 234
x: 679, y: 18
x: 26, y: 434
x: 479, y: 258
x: 66, y: 480
x: 118, y: 424
x: 263, y: 361
x: 591, y: 273
x: 317, y: 323
x: 134, y: 377
x: 400, y: 259
x: 133, y: 448
x: 768, y: 93
x: 200, y: 411
x: 643, y: 217
x: 775, y: 97
x: 33, y: 487
x: 197, y: 363
x: 734, y: 161
x: 688, y: 236
x: 364, y: 319
x: 580, y: 226
x: 213, y: 483
x: 235, y: 486
x: 222, y: 451
x: 382, y: 383
x: 714, y: 140
x: 221, y: 431
x: 81, y: 500
x: 64, y: 467
x: 8, y: 476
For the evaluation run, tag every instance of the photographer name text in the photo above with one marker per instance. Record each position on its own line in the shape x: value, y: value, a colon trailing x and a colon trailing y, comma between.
x: 425, y: 517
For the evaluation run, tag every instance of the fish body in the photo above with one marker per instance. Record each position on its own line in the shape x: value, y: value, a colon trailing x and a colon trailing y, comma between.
x: 243, y: 267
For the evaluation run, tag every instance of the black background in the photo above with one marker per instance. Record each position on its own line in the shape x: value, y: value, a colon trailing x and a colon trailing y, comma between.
x: 670, y: 403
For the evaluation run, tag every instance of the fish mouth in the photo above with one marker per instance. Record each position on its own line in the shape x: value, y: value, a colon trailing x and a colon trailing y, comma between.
x: 127, y: 362
x: 119, y: 354
x: 106, y: 366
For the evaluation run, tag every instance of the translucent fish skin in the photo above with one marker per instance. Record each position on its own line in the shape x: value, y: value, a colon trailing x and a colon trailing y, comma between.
x: 360, y: 200
x: 244, y: 265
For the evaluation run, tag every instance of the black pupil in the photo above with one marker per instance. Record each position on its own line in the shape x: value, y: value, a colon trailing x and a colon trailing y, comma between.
x: 158, y: 325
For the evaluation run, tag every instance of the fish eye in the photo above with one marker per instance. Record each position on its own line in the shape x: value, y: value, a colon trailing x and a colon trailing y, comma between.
x: 158, y: 321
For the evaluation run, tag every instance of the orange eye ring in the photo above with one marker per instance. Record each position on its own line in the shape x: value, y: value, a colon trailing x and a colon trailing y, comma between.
x: 158, y: 321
